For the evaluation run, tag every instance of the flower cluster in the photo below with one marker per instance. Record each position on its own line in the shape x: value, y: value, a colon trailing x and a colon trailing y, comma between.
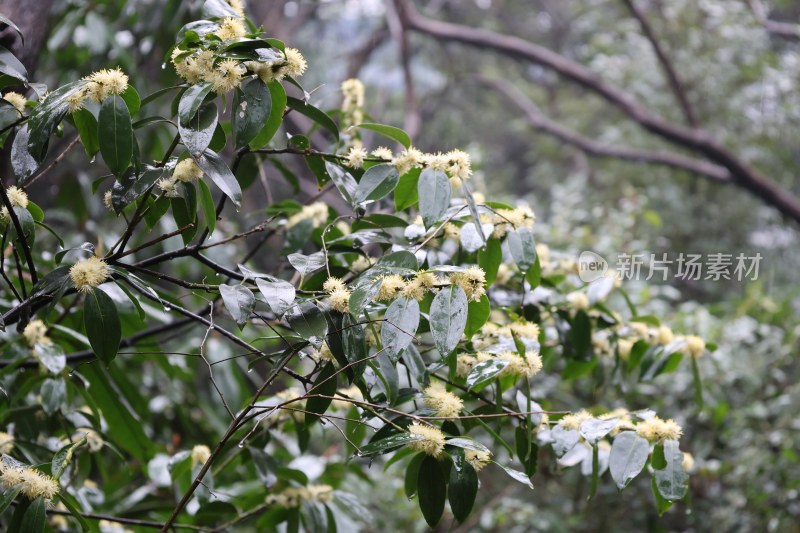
x: 338, y: 295
x: 573, y: 421
x: 100, y: 85
x: 352, y: 103
x: 18, y: 198
x: 478, y: 460
x: 629, y: 334
x: 491, y: 334
x: 445, y: 404
x: 231, y: 28
x: 6, y: 442
x: 186, y: 171
x: 16, y: 100
x: 472, y: 280
x: 294, y: 496
x: 33, y: 484
x: 89, y: 273
x: 506, y: 219
x: 200, y: 454
x: 35, y: 332
x: 316, y: 213
x: 430, y: 440
x: 656, y: 430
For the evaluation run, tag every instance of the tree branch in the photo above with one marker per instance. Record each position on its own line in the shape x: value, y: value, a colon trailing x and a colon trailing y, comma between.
x: 597, y: 149
x: 781, y: 29
x: 742, y: 174
x: 675, y: 83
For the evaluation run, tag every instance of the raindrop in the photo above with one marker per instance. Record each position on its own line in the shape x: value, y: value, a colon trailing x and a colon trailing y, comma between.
x: 241, y: 444
x: 167, y: 309
x: 163, y: 65
x: 69, y: 375
x: 249, y: 370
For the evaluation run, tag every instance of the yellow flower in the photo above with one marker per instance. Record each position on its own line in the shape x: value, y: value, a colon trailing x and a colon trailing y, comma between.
x: 106, y: 82
x: 656, y: 429
x: 360, y: 264
x: 339, y: 300
x: 33, y: 484
x: 392, y: 287
x: 187, y: 171
x: 35, y: 333
x: 89, y: 273
x: 574, y: 420
x: 6, y: 442
x: 525, y: 329
x: 295, y: 63
x: 231, y: 28
x: 317, y: 213
x: 431, y: 439
x: 355, y: 157
x: 227, y: 76
x: 294, y: 496
x: 200, y: 454
x: 478, y: 460
x: 445, y: 404
x: 464, y: 365
x: 16, y: 100
x: 517, y: 366
x: 472, y: 280
x: 623, y: 420
x: 75, y: 100
x: 350, y: 393
x: 353, y: 93
x: 108, y: 200
x: 17, y: 197
x: 458, y: 165
x: 333, y: 284
x: 419, y: 285
x: 437, y: 161
x: 695, y: 346
x: 169, y: 186
x: 383, y: 153
x: 665, y: 335
x: 624, y: 347
x: 451, y: 231
x: 688, y: 462
x: 578, y: 300
x: 407, y: 159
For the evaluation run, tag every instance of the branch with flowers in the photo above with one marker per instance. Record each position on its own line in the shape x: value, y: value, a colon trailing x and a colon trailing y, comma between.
x: 405, y: 324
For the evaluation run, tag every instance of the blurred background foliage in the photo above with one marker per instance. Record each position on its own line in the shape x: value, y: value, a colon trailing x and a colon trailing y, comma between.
x: 744, y: 84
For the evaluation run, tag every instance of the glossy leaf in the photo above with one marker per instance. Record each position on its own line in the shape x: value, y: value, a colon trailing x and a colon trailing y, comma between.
x: 239, y: 301
x: 216, y: 169
x: 431, y: 490
x: 377, y: 182
x: 485, y: 371
x: 273, y: 123
x: 197, y: 132
x: 448, y: 318
x: 116, y: 134
x: 86, y: 125
x: 252, y: 104
x: 35, y: 517
x: 628, y: 456
x: 434, y: 193
x: 672, y: 480
x: 388, y: 444
x: 463, y: 489
x: 477, y: 315
x: 308, y: 322
x: 102, y: 325
x: 400, y: 325
x: 325, y: 387
x: 522, y: 247
x: 191, y: 100
x: 23, y: 163
x: 390, y: 132
x: 315, y: 114
x: 278, y: 294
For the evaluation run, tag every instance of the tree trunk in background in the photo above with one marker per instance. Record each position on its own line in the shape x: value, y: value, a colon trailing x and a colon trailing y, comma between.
x: 32, y: 17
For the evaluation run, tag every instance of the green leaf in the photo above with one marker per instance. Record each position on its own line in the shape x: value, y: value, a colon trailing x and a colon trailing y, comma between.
x: 517, y: 475
x: 463, y: 488
x: 63, y: 457
x: 10, y: 23
x: 580, y: 334
x: 434, y: 193
x: 376, y: 183
x: 698, y: 384
x: 343, y: 180
x: 467, y: 444
x: 26, y: 222
x: 325, y: 385
x: 485, y: 371
x: 277, y: 107
x: 448, y: 318
x: 216, y: 169
x: 412, y: 475
x: 47, y: 116
x: 306, y: 264
x: 131, y: 186
x: 252, y: 104
x: 388, y: 444
x: 400, y: 325
x: 315, y: 114
x: 534, y: 275
x: 522, y: 247
x: 116, y: 134
x: 101, y: 321
x: 54, y: 392
x: 662, y: 503
x: 473, y: 209
x: 388, y: 131
x: 34, y: 519
x: 7, y: 496
x: 279, y: 294
x: 672, y: 480
x: 191, y: 100
x: 11, y: 66
x: 239, y: 301
x: 197, y: 132
x: 431, y: 490
x: 477, y: 315
x: 308, y: 322
x: 406, y: 194
x: 207, y: 205
x: 489, y: 259
x: 563, y: 440
x: 627, y: 458
x: 132, y: 99
x: 86, y: 125
x: 23, y: 163
x: 595, y: 429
